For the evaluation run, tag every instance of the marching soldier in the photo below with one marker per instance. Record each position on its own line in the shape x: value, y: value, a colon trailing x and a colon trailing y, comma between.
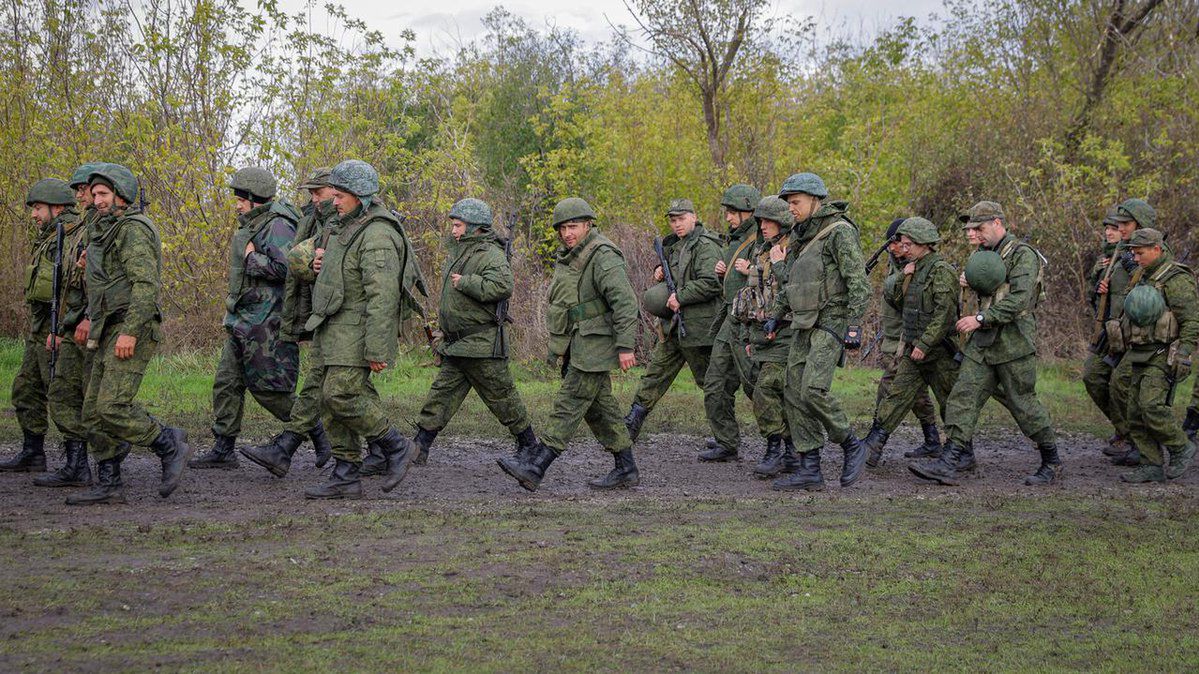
x: 592, y: 321
x: 1000, y: 354
x: 51, y: 202
x: 825, y: 292
x: 311, y: 233
x: 474, y: 347
x: 124, y: 267
x: 926, y: 296
x: 729, y: 368
x: 254, y: 357
x: 692, y: 253
x: 1160, y: 327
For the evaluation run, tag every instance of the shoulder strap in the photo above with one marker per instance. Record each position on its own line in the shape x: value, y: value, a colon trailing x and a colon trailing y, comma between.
x: 822, y: 234
x: 749, y: 240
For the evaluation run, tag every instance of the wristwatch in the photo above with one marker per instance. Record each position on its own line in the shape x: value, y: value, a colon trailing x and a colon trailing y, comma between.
x: 979, y: 318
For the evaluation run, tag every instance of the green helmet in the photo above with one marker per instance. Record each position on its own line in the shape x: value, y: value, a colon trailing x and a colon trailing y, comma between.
x: 300, y: 257
x: 356, y: 177
x: 318, y: 179
x: 804, y: 183
x: 571, y: 208
x: 919, y: 230
x: 985, y: 272
x: 120, y: 178
x: 473, y: 212
x: 1138, y: 210
x: 254, y: 184
x: 81, y: 174
x: 775, y: 209
x: 741, y: 197
x: 654, y: 300
x: 51, y: 191
x: 1143, y: 305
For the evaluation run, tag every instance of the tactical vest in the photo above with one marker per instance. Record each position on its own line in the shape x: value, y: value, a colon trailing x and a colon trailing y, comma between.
x: 575, y: 307
x: 810, y: 285
x: 238, y: 281
x: 753, y: 303
x: 110, y: 290
x: 1165, y: 330
x: 918, y: 304
x: 39, y: 273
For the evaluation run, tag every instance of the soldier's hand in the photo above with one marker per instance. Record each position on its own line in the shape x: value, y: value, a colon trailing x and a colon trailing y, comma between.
x: 917, y: 354
x: 909, y: 268
x: 658, y: 275
x: 125, y: 346
x: 672, y: 302
x: 1102, y: 289
x: 721, y: 268
x: 454, y: 279
x: 53, y: 342
x: 962, y: 280
x: 742, y: 265
x: 249, y: 248
x: 82, y: 331
x: 748, y: 352
x: 777, y: 253
x: 627, y: 360
x: 318, y: 255
x: 81, y: 263
x: 377, y: 366
x: 967, y: 324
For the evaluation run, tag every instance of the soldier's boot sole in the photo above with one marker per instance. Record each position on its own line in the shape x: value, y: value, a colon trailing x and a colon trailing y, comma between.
x: 333, y: 494
x: 529, y: 482
x: 947, y: 479
x: 798, y: 486
x: 114, y: 496
x: 203, y: 464
x: 722, y: 456
x: 608, y: 483
x: 35, y: 467
x: 767, y: 472
x: 55, y: 480
x: 276, y: 469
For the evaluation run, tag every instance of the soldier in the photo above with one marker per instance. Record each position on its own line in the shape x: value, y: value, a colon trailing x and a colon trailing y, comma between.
x: 474, y: 347
x: 926, y: 295
x: 592, y: 321
x: 1000, y: 354
x: 51, y: 203
x: 751, y: 309
x: 74, y: 360
x: 355, y: 321
x: 825, y: 291
x: 1159, y: 328
x: 692, y: 253
x: 891, y: 324
x: 312, y: 232
x: 124, y: 278
x: 254, y: 356
x: 729, y: 367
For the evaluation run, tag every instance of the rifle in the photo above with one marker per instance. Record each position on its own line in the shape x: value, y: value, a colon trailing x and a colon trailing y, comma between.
x: 501, y: 307
x: 1104, y: 310
x: 873, y: 261
x: 670, y: 285
x: 55, y: 291
x: 431, y: 336
x: 878, y: 337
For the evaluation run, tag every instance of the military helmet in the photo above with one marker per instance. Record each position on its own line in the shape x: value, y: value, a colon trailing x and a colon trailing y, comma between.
x: 1144, y: 305
x: 774, y: 208
x: 985, y: 272
x: 741, y: 197
x: 318, y: 179
x: 804, y: 183
x: 120, y: 178
x: 254, y: 184
x: 81, y: 174
x: 51, y: 191
x: 919, y: 230
x: 655, y: 298
x: 300, y: 257
x: 571, y: 208
x: 356, y: 177
x: 1138, y: 210
x: 1111, y: 218
x: 473, y: 212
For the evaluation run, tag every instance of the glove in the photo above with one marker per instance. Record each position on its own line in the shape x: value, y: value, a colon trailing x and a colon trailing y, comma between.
x: 853, y: 338
x: 771, y: 327
x: 1128, y: 261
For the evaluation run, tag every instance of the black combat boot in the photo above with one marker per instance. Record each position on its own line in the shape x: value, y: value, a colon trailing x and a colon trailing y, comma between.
x: 109, y: 486
x: 807, y: 478
x: 772, y: 461
x: 624, y: 475
x: 344, y: 482
x: 275, y: 456
x: 1132, y: 457
x: 710, y: 443
x: 320, y: 444
x: 526, y: 442
x: 949, y: 468
x: 790, y: 460
x: 374, y: 463
x: 720, y: 453
x: 634, y: 419
x: 932, y: 444
x: 530, y: 469
x: 399, y: 452
x: 1117, y: 445
x: 172, y: 449
x: 1191, y: 423
x: 74, y: 473
x: 220, y: 456
x: 855, y: 460
x: 1051, y: 466
x: 31, y: 459
x: 423, y: 440
x: 874, y: 442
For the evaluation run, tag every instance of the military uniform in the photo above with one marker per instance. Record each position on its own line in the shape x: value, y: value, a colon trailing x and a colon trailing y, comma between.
x: 474, y: 345
x: 999, y: 357
x: 1116, y: 266
x: 591, y: 319
x: 729, y: 368
x: 692, y: 261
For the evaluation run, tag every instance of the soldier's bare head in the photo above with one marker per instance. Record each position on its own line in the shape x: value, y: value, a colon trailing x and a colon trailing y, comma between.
x: 345, y: 202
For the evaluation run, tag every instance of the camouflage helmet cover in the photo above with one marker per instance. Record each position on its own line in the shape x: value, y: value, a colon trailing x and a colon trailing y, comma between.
x: 572, y: 208
x: 122, y: 180
x: 256, y: 182
x: 51, y: 191
x: 776, y: 210
x: 1144, y: 305
x: 919, y: 230
x: 356, y: 177
x: 1138, y: 210
x: 741, y: 197
x: 804, y: 183
x: 473, y: 212
x: 81, y: 174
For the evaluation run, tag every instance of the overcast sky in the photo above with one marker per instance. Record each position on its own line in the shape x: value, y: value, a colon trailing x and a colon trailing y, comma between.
x: 442, y: 24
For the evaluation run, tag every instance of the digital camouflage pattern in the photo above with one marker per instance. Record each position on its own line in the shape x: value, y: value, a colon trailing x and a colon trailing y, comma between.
x: 586, y: 397
x: 1105, y: 390
x: 473, y: 212
x: 491, y: 380
x: 74, y: 366
x: 466, y: 312
x: 356, y: 177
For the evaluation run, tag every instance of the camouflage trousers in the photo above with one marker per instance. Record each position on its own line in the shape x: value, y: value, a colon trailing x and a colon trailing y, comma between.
x: 306, y: 410
x: 812, y: 411
x: 910, y: 381
x: 229, y: 392
x: 69, y: 388
x: 768, y: 399
x: 1108, y: 390
x: 729, y: 368
x: 1151, y: 423
x: 489, y: 377
x: 30, y: 386
x: 665, y: 364
x: 1013, y: 384
x: 921, y: 406
x: 110, y: 408
x: 355, y: 412
x: 586, y: 397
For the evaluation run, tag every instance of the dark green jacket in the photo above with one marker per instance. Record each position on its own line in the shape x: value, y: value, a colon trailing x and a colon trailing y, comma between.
x: 39, y: 281
x: 297, y: 289
x: 255, y: 290
x: 762, y: 350
x: 1119, y: 258
x: 124, y: 276
x: 74, y: 297
x: 693, y: 264
x: 891, y: 315
x: 1176, y: 283
x: 928, y: 305
x: 466, y: 313
x: 737, y: 246
x: 825, y: 283
x: 1009, y: 328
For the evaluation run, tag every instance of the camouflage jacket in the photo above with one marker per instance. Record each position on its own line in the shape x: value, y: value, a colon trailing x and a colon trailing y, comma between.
x: 693, y: 264
x: 255, y: 297
x: 1009, y: 329
x: 297, y: 289
x: 466, y: 313
x: 1176, y: 282
x: 928, y: 302
x: 763, y: 350
x: 74, y: 298
x: 39, y: 281
x: 1119, y: 258
x: 825, y: 276
x: 738, y: 245
x: 890, y: 315
x: 124, y: 276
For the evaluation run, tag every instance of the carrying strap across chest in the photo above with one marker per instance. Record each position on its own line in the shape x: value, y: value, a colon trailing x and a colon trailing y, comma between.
x: 595, y: 306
